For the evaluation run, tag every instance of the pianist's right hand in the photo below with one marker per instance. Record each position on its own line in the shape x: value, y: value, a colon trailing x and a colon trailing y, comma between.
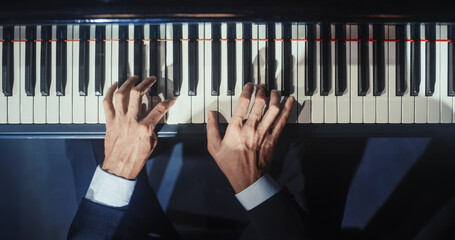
x: 130, y: 136
x: 246, y: 151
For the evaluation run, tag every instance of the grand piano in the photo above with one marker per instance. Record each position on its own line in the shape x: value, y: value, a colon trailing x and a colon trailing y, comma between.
x: 356, y: 68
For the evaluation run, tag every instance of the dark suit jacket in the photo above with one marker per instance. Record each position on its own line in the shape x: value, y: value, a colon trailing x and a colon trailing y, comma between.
x: 279, y: 217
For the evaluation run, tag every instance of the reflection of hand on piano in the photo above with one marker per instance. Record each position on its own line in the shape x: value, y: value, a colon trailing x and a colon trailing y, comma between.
x: 246, y: 150
x: 130, y: 136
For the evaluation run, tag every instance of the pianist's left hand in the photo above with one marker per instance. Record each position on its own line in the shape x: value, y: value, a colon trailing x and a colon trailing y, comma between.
x: 130, y: 136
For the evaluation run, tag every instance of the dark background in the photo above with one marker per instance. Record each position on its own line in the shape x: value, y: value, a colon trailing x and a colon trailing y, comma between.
x: 42, y: 182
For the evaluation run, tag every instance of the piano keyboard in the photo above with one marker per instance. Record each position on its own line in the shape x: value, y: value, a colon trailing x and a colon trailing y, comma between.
x: 338, y: 73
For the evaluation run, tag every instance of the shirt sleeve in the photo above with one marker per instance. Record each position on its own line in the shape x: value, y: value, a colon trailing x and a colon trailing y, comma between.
x: 110, y: 190
x: 255, y: 194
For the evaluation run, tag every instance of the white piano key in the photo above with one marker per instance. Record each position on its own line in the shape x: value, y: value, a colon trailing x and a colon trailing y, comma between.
x: 304, y: 102
x: 78, y: 101
x: 293, y: 116
x: 369, y: 103
x: 91, y: 100
x: 408, y: 100
x: 433, y: 115
x: 14, y: 114
x: 115, y: 54
x: 169, y: 61
x: 26, y: 101
x: 39, y: 101
x: 344, y: 101
x: 161, y: 78
x: 394, y: 100
x: 211, y: 102
x: 356, y: 100
x: 262, y: 52
x: 382, y: 105
x: 238, y: 67
x: 446, y: 107
x: 130, y: 69
x: 107, y: 72
x: 66, y: 113
x: 224, y: 101
x: 254, y: 53
x: 421, y: 104
x: 181, y: 111
x: 317, y: 101
x: 197, y: 102
x: 3, y: 98
x: 53, y: 101
x: 146, y: 99
x: 330, y: 101
x: 278, y: 56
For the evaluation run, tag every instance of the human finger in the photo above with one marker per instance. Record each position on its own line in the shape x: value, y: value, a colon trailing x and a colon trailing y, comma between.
x: 123, y: 93
x: 283, y: 118
x: 213, y: 133
x: 270, y: 115
x: 259, y: 103
x: 158, y: 112
x: 109, y: 109
x: 136, y: 94
x: 244, y: 101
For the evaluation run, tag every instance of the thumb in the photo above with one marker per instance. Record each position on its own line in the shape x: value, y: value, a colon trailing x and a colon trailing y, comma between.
x: 213, y: 133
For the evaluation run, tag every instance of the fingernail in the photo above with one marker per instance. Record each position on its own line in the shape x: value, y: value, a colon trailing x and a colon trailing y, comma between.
x: 291, y: 99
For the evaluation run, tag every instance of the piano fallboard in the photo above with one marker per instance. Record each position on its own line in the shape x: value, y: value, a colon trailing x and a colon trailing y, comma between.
x: 188, y: 131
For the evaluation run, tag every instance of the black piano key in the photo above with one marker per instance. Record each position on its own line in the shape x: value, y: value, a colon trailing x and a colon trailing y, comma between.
x: 8, y: 61
x: 247, y: 66
x: 138, y: 50
x: 29, y: 85
x: 415, y: 60
x: 326, y: 60
x: 401, y: 73
x: 100, y: 59
x: 310, y: 78
x: 287, y: 61
x: 231, y: 59
x: 451, y: 61
x: 177, y: 55
x: 122, y: 54
x: 378, y: 60
x: 364, y: 83
x: 84, y: 35
x: 270, y: 77
x: 192, y: 59
x: 153, y: 58
x: 61, y: 61
x: 216, y: 58
x: 48, y: 58
x: 340, y: 65
x: 430, y: 35
x: 33, y: 69
x: 45, y: 75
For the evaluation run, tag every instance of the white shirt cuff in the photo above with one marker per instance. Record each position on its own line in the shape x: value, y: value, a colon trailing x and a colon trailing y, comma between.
x: 258, y: 192
x: 110, y: 190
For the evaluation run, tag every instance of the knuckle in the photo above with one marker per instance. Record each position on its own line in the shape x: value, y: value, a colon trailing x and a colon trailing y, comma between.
x: 274, y: 108
x: 135, y: 91
x: 260, y: 100
x: 161, y: 108
x: 120, y: 95
x: 244, y: 98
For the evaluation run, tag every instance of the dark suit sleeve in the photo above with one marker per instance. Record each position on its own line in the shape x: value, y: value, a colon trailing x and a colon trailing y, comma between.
x: 280, y: 217
x: 95, y: 221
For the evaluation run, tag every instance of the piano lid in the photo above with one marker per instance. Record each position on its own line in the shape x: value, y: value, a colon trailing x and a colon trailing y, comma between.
x: 32, y: 11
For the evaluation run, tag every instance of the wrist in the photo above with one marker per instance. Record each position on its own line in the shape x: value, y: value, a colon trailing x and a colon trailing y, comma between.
x: 121, y: 169
x: 241, y: 183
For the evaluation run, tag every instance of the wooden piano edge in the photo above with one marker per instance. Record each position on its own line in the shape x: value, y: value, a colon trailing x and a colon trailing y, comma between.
x: 97, y: 131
